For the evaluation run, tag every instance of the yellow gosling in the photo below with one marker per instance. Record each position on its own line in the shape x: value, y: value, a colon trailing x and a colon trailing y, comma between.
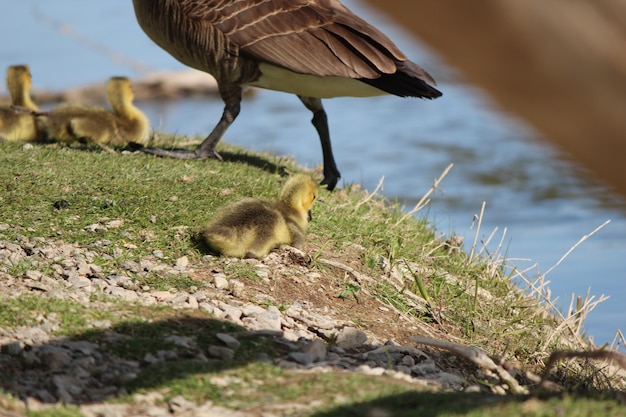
x: 70, y: 123
x: 19, y: 124
x: 252, y: 227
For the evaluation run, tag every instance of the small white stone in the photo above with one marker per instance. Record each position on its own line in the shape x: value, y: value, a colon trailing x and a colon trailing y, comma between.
x: 182, y: 262
x: 220, y: 281
x: 376, y: 371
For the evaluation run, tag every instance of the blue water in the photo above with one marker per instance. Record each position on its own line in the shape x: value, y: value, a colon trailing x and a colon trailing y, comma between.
x: 545, y: 202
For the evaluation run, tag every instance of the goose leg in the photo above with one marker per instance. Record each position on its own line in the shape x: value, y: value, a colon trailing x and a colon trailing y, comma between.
x: 320, y: 121
x: 231, y: 94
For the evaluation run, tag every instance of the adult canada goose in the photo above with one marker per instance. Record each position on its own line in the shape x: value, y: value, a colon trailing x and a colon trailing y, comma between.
x: 313, y: 48
x: 252, y: 227
x: 70, y: 123
x: 16, y: 122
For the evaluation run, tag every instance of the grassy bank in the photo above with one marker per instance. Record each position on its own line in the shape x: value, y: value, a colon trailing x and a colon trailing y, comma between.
x: 389, y: 275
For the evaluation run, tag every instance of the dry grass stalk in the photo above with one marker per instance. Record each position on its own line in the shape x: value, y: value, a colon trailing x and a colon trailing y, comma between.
x: 570, y: 322
x: 538, y: 289
x: 573, y: 320
x: 479, y: 219
x: 496, y: 261
x: 618, y: 340
x: 425, y: 200
x: 368, y: 197
x: 568, y: 332
x: 581, y: 240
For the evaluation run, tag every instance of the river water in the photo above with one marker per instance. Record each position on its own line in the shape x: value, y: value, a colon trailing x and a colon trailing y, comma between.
x: 543, y: 201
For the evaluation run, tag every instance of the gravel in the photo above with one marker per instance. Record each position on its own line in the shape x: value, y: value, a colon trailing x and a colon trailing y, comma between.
x: 42, y: 368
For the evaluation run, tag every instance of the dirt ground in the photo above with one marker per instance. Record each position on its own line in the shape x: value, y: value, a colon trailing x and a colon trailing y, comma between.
x: 559, y: 65
x: 291, y: 281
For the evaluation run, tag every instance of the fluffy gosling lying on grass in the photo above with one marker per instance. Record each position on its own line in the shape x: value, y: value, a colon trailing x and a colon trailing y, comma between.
x: 252, y: 227
x: 69, y: 123
x: 18, y: 124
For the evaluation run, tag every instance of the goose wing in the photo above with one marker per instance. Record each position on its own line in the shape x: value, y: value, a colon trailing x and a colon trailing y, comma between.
x: 315, y: 37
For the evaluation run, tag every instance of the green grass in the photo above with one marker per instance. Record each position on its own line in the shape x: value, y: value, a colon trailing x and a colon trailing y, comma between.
x: 242, y: 271
x: 145, y: 204
x: 26, y: 310
x: 167, y: 282
x: 155, y: 199
x: 57, y: 411
x: 254, y: 384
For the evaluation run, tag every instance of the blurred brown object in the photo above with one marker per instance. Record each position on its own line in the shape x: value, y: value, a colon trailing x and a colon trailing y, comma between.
x: 559, y: 64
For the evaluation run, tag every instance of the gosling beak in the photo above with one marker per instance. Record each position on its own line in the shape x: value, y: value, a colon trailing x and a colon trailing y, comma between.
x: 310, y: 216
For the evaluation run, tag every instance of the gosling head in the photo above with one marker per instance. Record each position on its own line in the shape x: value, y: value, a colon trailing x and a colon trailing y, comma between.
x: 19, y: 83
x: 119, y: 92
x: 299, y: 193
x: 18, y: 78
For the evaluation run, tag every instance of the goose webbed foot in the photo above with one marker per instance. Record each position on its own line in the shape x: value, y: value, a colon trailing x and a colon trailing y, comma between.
x: 330, y: 181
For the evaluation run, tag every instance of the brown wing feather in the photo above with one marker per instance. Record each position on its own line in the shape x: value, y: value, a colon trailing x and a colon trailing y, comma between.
x: 317, y: 37
x: 363, y: 47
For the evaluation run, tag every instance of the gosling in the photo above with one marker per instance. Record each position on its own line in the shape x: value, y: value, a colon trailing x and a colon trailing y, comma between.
x: 252, y: 227
x: 69, y: 123
x: 17, y: 122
